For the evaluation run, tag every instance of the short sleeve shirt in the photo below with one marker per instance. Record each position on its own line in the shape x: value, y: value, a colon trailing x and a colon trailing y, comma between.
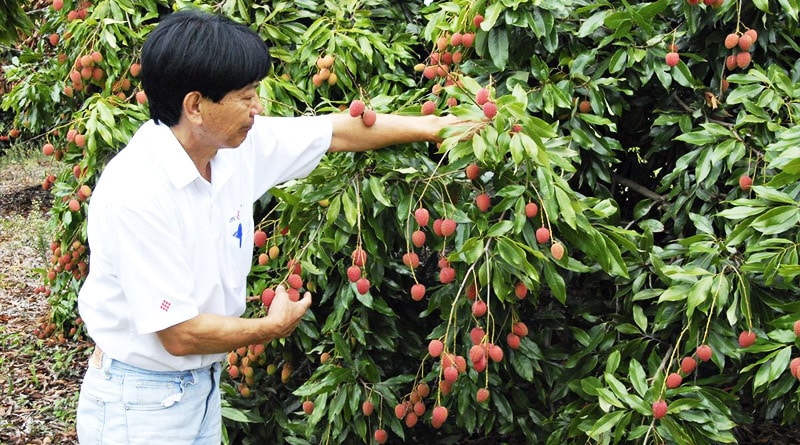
x: 167, y: 245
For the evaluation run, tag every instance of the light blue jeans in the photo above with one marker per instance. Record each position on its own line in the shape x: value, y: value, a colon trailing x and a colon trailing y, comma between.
x: 123, y: 404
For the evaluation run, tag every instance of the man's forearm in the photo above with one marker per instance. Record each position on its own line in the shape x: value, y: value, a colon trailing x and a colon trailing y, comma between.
x: 350, y: 134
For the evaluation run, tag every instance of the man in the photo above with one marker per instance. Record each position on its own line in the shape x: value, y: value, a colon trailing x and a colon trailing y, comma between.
x: 171, y: 231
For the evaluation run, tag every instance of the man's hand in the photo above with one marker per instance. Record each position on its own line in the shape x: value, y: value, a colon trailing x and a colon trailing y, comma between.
x: 284, y: 315
x: 211, y: 333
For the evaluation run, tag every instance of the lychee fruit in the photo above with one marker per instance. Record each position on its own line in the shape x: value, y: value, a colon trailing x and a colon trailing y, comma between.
x: 447, y: 275
x: 747, y: 339
x: 362, y: 286
x: 429, y: 107
x: 745, y: 42
x: 482, y: 395
x: 422, y: 216
x: 743, y: 59
x: 357, y: 108
x: 417, y: 292
x: 557, y: 250
x: 435, y: 348
x: 418, y: 238
x: 731, y: 40
x: 448, y: 227
x: 479, y: 308
x: 688, y: 365
x: 472, y: 171
x: 483, y: 202
x: 411, y: 259
x: 367, y: 407
x: 794, y: 366
x: 439, y: 416
x: 482, y: 96
x: 295, y: 281
x: 381, y: 436
x: 353, y: 273
x: 267, y: 296
x: 531, y: 209
x: 359, y: 257
x: 490, y: 110
x: 745, y: 182
x: 542, y: 235
x: 521, y: 290
x: 674, y: 380
x: 520, y: 328
x: 672, y: 59
x: 369, y: 117
x: 659, y: 409
x: 308, y: 407
x: 704, y: 352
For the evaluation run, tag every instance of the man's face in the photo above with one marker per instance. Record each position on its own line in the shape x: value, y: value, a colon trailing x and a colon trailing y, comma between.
x: 227, y: 122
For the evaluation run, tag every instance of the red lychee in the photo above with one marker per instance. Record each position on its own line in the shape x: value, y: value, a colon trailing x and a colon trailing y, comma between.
x: 659, y: 409
x: 747, y: 339
x: 490, y: 110
x: 704, y: 352
x: 417, y: 292
x: 418, y: 238
x: 542, y: 235
x: 483, y: 202
x: 472, y: 171
x: 672, y: 58
x: 422, y: 216
x: 674, y: 380
x: 357, y: 108
x: 362, y: 286
x: 745, y: 182
x: 688, y: 365
x: 448, y: 227
x: 353, y: 273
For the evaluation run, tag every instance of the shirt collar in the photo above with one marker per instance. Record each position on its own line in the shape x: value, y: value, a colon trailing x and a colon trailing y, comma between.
x: 179, y: 167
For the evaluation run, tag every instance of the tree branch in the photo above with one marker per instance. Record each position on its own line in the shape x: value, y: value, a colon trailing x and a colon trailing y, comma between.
x: 642, y: 190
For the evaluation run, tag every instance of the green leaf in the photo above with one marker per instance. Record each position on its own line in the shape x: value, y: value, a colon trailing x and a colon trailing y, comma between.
x: 606, y: 423
x: 350, y: 211
x: 638, y: 377
x: 500, y: 229
x: 594, y: 22
x: 777, y: 220
x: 471, y: 251
x: 700, y: 292
x: 498, y: 47
x: 376, y: 188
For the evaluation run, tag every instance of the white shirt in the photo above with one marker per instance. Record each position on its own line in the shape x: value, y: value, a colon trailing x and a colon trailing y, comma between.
x: 167, y: 245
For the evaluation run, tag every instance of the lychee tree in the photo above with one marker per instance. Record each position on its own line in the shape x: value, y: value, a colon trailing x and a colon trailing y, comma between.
x: 606, y: 250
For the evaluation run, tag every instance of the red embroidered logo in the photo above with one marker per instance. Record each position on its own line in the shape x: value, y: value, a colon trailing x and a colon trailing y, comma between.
x: 165, y: 305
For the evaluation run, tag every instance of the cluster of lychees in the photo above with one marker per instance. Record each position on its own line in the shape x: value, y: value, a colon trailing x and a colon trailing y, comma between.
x: 741, y: 45
x: 325, y: 71
x: 359, y: 109
x: 355, y: 273
x: 447, y: 53
x: 687, y: 366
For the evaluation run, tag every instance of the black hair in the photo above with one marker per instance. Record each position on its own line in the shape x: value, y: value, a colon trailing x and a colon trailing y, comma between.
x: 190, y: 50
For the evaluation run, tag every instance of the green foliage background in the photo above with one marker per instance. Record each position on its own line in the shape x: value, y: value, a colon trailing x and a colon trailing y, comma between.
x: 664, y: 251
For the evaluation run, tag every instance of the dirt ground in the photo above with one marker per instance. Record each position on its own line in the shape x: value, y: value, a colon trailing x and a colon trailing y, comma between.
x: 39, y: 379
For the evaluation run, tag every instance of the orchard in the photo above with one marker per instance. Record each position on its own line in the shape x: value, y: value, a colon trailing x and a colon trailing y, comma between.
x: 605, y: 251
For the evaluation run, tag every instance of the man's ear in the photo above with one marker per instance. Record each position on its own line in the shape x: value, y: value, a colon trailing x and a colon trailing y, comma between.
x: 192, y: 104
